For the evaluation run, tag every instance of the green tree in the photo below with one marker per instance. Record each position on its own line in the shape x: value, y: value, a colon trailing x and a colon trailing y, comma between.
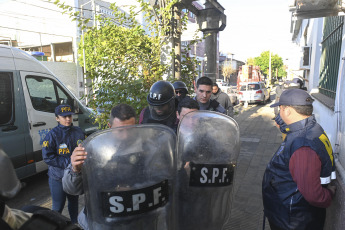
x: 276, y: 63
x: 250, y: 61
x: 122, y: 60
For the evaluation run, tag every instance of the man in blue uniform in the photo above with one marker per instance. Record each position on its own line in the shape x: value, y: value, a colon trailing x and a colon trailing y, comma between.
x: 57, y: 149
x: 296, y: 186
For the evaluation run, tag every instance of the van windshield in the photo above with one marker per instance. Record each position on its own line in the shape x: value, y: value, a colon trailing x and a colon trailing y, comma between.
x: 250, y: 87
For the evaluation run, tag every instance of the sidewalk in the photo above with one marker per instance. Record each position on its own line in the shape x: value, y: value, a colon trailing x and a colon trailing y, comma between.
x: 259, y: 140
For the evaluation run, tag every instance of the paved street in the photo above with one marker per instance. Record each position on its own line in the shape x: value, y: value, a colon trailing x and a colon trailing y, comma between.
x: 259, y: 140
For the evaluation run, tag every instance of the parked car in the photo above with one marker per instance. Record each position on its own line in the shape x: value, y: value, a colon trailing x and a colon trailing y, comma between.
x: 253, y: 92
x: 220, y: 82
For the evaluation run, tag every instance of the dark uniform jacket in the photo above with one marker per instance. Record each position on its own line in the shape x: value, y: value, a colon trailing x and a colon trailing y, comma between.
x: 284, y: 205
x: 58, y: 146
x: 171, y: 121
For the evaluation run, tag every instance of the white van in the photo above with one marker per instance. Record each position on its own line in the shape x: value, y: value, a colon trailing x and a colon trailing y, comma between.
x: 29, y: 93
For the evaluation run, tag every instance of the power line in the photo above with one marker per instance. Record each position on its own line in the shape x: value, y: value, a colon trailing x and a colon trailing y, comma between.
x: 32, y: 16
x: 36, y: 32
x: 69, y: 6
x: 37, y: 6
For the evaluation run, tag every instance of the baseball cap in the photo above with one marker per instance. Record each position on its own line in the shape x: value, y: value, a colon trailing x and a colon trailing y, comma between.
x: 294, y: 97
x: 63, y: 110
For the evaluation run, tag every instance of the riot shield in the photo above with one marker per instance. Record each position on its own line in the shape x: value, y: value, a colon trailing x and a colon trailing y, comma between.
x: 128, y: 178
x: 207, y: 150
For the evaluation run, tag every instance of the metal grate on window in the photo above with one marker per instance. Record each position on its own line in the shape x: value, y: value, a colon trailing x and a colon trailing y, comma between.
x: 330, y: 59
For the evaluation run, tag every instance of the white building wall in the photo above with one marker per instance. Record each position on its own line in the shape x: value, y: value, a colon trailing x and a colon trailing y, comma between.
x: 327, y: 119
x: 332, y: 121
x: 35, y: 22
x: 315, y: 43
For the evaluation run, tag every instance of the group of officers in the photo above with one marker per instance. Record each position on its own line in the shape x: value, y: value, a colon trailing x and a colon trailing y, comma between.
x: 167, y: 105
x: 296, y: 185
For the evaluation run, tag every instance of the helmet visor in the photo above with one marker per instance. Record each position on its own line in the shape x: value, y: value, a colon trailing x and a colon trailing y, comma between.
x: 162, y: 112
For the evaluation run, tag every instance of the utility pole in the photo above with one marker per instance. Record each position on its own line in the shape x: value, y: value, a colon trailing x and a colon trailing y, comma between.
x: 269, y: 69
x: 176, y: 43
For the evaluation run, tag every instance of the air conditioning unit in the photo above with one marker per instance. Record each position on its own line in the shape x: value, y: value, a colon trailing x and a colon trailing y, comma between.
x: 305, y: 59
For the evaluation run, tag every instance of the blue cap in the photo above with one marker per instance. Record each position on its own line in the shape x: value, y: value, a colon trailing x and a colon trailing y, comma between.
x: 63, y: 110
x: 294, y: 97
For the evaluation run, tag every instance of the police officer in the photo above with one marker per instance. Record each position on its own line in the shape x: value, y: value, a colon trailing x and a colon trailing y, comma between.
x: 296, y: 186
x: 13, y: 219
x: 181, y: 90
x: 161, y: 107
x: 57, y: 149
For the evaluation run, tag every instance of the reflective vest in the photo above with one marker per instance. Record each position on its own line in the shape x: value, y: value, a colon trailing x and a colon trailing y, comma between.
x: 284, y: 205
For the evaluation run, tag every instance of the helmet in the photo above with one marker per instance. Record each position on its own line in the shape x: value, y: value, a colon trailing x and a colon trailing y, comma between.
x: 9, y: 183
x: 161, y: 100
x: 161, y: 92
x: 180, y: 85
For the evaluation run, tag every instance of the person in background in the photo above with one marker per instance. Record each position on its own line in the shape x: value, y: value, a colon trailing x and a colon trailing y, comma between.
x: 181, y: 90
x: 296, y: 186
x: 223, y: 99
x: 279, y: 91
x: 57, y: 149
x: 120, y: 115
x: 203, y: 96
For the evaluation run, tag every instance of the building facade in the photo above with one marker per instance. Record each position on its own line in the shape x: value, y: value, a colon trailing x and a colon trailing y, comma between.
x: 322, y: 44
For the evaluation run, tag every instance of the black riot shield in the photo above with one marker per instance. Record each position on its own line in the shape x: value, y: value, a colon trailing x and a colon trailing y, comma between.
x: 208, y: 147
x: 128, y: 177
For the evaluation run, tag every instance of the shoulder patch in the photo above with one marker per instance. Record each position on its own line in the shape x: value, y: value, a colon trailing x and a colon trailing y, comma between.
x: 45, y: 144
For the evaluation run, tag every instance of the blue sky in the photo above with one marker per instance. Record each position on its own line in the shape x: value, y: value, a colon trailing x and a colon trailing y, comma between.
x: 254, y: 26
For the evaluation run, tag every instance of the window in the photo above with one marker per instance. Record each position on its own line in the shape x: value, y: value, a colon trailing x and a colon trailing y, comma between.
x: 45, y: 94
x: 250, y: 87
x: 330, y: 59
x: 6, y: 98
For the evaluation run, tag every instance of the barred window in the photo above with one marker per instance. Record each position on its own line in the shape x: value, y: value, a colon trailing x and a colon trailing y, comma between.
x: 330, y: 59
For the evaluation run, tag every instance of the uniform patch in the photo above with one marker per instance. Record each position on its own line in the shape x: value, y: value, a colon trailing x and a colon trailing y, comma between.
x: 211, y: 175
x: 43, y: 133
x: 45, y: 144
x: 327, y: 145
x: 79, y: 142
x: 132, y: 202
x: 63, y: 149
x: 66, y: 109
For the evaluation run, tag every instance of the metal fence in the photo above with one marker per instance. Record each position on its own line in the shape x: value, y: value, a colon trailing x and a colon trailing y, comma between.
x: 330, y: 59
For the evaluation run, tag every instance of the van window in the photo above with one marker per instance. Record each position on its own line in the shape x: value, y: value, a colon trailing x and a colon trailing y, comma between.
x: 46, y: 94
x: 6, y: 98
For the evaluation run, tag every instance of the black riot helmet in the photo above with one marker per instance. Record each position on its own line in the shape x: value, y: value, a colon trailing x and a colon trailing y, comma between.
x: 181, y: 90
x: 161, y: 100
x: 180, y: 85
x: 9, y: 183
